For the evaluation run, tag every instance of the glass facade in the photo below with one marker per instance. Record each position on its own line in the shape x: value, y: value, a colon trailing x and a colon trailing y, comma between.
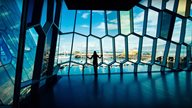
x: 152, y: 36
x: 145, y: 38
x: 10, y: 14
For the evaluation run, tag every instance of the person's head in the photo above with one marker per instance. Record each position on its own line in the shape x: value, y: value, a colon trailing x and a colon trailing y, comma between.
x: 94, y: 53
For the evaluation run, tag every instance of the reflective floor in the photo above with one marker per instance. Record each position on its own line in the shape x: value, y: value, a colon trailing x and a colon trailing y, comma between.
x: 170, y: 90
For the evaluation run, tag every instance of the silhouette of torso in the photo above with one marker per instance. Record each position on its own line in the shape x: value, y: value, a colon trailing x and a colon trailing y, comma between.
x: 95, y: 62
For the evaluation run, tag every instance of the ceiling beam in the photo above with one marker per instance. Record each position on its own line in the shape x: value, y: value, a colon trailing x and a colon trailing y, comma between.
x: 100, y: 4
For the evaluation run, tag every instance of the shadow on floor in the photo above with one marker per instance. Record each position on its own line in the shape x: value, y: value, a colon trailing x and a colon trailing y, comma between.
x: 170, y: 90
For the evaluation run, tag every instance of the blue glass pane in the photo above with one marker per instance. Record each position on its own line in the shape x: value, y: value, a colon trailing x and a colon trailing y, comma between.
x: 144, y: 2
x: 11, y: 71
x: 5, y: 55
x: 120, y: 48
x: 67, y: 19
x: 65, y: 69
x: 79, y: 49
x: 76, y: 69
x: 115, y: 68
x: 83, y: 22
x: 142, y: 68
x: 64, y: 48
x: 165, y: 24
x: 10, y: 16
x: 188, y: 32
x: 88, y: 69
x: 29, y: 53
x: 30, y: 11
x: 125, y: 22
x: 98, y: 23
x: 107, y: 50
x: 6, y: 87
x: 44, y: 13
x: 170, y: 5
x: 138, y: 17
x: 128, y: 67
x: 93, y: 45
x: 177, y: 30
x: 47, y: 50
x: 156, y: 3
x: 112, y: 23
x: 103, y: 69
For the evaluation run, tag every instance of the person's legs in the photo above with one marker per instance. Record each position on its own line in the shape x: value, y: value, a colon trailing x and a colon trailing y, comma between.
x: 95, y: 70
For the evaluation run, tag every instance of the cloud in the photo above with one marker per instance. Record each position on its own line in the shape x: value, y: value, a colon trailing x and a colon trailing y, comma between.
x: 84, y: 26
x: 101, y: 26
x: 139, y: 18
x: 125, y: 22
x: 85, y: 15
x: 110, y: 26
x: 113, y: 21
x: 108, y: 12
x: 152, y: 18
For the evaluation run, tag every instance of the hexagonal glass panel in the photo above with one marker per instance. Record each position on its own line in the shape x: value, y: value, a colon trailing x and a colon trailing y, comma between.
x: 152, y: 22
x: 107, y: 50
x: 125, y: 22
x: 177, y: 30
x: 64, y: 48
x: 188, y: 33
x: 183, y: 57
x: 44, y: 13
x: 160, y: 51
x: 146, y: 50
x: 67, y: 24
x: 98, y: 23
x: 94, y: 45
x: 138, y: 17
x: 171, y: 55
x: 112, y: 23
x: 83, y: 22
x: 165, y: 25
x: 79, y: 49
x: 120, y: 48
x: 182, y: 7
x: 133, y: 45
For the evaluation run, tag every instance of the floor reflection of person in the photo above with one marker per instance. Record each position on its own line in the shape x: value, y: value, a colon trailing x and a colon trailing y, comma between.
x: 95, y: 61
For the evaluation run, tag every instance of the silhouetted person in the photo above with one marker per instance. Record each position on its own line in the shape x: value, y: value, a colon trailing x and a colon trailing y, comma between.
x: 95, y: 61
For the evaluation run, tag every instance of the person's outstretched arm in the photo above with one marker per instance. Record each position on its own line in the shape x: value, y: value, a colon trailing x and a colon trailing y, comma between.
x: 89, y: 57
x: 101, y: 56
